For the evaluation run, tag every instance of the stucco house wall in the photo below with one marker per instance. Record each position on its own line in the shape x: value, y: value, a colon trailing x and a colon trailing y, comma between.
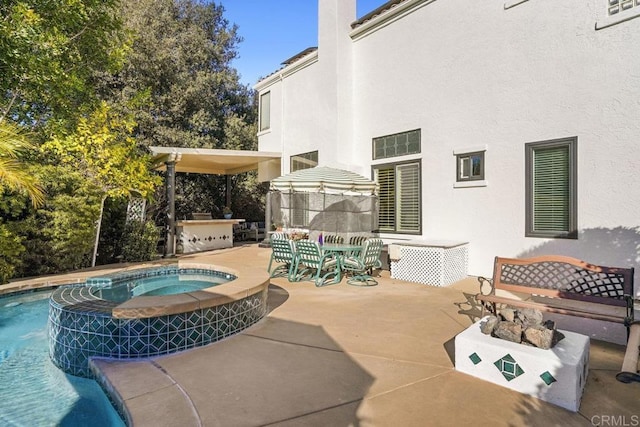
x: 481, y: 74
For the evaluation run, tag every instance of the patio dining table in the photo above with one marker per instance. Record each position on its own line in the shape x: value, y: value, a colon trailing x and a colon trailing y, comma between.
x: 340, y: 250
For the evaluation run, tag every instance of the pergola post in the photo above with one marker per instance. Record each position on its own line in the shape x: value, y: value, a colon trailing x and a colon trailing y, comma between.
x: 228, y: 191
x: 170, y: 231
x: 267, y: 220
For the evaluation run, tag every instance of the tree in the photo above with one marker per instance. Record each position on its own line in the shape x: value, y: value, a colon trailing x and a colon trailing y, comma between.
x: 179, y: 84
x: 107, y: 157
x: 49, y: 53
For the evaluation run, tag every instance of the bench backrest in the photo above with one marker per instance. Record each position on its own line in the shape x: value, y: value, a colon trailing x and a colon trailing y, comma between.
x: 564, y: 277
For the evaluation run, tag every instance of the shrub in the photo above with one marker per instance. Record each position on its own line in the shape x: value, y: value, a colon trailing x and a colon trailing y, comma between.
x: 140, y: 241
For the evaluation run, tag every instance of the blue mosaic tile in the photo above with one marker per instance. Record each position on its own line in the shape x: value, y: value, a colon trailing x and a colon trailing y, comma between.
x: 175, y: 340
x: 177, y: 322
x: 159, y: 325
x: 508, y: 367
x: 80, y: 325
x: 548, y: 378
x: 475, y: 358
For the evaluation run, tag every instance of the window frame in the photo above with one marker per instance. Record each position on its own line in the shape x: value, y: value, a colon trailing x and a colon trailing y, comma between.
x: 396, y: 226
x: 530, y: 149
x: 396, y: 135
x: 301, y: 155
x: 262, y: 127
x: 469, y: 155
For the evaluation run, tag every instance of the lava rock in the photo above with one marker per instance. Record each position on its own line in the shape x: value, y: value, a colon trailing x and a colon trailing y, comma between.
x: 509, y: 331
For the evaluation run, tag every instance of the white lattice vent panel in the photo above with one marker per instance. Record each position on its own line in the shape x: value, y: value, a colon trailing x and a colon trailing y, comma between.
x: 136, y: 209
x: 435, y: 266
x: 455, y: 262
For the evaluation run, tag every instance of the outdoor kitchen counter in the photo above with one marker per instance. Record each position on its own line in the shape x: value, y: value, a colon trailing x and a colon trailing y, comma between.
x: 431, y: 262
x: 197, y: 235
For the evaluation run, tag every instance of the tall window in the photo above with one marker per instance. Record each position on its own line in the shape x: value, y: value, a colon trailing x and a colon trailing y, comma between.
x: 265, y: 111
x: 304, y: 161
x: 399, y: 144
x: 399, y: 197
x: 551, y: 175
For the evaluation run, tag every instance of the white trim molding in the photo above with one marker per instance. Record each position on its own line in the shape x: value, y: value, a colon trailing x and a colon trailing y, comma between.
x: 469, y: 184
x: 511, y: 3
x: 396, y: 12
x: 301, y: 63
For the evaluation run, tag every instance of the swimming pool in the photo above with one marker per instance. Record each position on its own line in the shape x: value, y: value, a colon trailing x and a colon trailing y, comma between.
x: 118, y: 316
x: 33, y: 391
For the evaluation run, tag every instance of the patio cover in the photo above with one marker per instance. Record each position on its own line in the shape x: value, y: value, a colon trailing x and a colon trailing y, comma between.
x: 207, y: 161
x: 212, y: 161
x: 323, y: 179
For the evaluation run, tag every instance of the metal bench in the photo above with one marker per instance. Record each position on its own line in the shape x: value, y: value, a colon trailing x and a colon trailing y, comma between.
x: 563, y: 285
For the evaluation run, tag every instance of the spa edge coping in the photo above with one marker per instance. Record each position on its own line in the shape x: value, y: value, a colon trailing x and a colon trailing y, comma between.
x: 250, y: 281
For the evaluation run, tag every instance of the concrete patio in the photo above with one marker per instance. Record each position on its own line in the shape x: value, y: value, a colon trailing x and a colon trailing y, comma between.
x: 349, y: 356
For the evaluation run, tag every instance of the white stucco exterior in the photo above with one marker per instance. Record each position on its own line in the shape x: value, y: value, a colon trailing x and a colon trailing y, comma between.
x: 491, y: 74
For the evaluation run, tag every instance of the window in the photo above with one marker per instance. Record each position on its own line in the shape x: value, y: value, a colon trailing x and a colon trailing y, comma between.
x: 399, y: 197
x: 612, y: 12
x: 399, y: 144
x: 551, y: 193
x: 304, y: 161
x: 470, y: 166
x: 265, y: 111
x: 616, y: 6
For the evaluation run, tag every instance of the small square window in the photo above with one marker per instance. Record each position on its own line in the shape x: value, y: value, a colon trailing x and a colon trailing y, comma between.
x: 470, y: 166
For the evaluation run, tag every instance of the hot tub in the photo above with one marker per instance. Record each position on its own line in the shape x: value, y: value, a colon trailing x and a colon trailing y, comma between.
x: 118, y: 316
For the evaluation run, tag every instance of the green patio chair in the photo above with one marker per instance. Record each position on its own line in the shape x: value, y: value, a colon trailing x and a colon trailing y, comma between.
x: 312, y: 264
x: 282, y: 251
x: 361, y: 266
x: 332, y: 238
x: 356, y: 240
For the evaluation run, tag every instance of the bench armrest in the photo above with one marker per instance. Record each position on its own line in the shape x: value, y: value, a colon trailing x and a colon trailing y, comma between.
x: 629, y: 320
x: 484, y: 283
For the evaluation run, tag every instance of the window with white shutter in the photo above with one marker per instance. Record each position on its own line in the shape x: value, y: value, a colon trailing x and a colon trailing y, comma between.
x: 399, y: 197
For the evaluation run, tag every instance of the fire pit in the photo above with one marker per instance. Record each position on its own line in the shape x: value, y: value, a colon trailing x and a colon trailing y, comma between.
x: 556, y: 375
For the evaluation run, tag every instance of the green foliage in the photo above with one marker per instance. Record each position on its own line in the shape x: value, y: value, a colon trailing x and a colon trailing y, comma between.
x: 49, y: 52
x: 14, y: 172
x: 179, y: 84
x: 96, y: 82
x: 180, y: 63
x: 140, y: 240
x: 59, y: 236
x: 103, y: 150
x: 10, y: 250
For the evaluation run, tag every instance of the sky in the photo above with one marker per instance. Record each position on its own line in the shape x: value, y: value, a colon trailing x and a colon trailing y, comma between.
x: 274, y: 31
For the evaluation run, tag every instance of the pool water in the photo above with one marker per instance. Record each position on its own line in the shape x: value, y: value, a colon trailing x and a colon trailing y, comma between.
x: 165, y: 284
x: 33, y: 392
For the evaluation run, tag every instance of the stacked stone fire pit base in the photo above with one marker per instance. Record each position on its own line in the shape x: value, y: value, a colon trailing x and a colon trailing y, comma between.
x: 556, y: 375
